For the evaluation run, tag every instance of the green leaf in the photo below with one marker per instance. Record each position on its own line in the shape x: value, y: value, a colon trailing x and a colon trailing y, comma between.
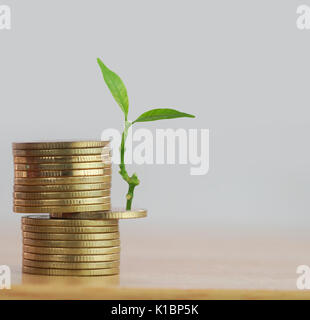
x: 116, y: 86
x: 160, y: 114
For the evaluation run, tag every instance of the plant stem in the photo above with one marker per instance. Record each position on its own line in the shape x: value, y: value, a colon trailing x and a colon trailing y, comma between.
x: 129, y: 196
x: 132, y: 181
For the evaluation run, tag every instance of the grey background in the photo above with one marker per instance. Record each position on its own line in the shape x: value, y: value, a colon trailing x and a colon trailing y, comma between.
x: 242, y: 67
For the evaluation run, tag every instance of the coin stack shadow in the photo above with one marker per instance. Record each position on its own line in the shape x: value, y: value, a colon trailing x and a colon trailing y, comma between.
x: 66, y: 178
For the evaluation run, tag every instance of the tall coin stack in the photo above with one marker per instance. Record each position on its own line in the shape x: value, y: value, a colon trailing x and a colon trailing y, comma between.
x: 70, y: 180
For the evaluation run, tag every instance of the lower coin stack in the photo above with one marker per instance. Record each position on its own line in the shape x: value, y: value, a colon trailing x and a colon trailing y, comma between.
x: 63, y: 247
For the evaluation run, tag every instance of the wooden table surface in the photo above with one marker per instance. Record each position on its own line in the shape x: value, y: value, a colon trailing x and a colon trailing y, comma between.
x: 157, y: 263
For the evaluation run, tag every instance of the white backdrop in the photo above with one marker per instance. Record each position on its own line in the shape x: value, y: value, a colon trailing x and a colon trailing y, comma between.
x: 242, y: 67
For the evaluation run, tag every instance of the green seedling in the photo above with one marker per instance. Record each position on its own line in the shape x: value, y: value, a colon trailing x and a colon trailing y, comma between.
x: 119, y: 92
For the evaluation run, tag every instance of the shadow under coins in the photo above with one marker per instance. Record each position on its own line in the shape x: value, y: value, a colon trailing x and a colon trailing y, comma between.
x: 94, y: 281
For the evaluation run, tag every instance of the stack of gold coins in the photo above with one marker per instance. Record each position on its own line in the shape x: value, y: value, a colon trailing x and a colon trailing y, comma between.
x: 71, y: 181
x: 62, y: 177
x: 70, y: 247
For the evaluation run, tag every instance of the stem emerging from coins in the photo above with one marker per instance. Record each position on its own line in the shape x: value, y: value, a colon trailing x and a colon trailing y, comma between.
x: 119, y: 92
x: 133, y: 180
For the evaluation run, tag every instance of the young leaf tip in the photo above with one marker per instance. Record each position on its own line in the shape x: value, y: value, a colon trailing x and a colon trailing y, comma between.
x: 116, y: 86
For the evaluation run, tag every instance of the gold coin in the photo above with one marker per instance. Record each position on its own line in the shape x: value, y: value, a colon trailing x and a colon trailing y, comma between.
x: 64, y: 159
x: 54, y: 209
x: 62, y: 166
x: 59, y: 145
x: 63, y: 187
x: 52, y: 229
x: 67, y: 173
x: 71, y: 266
x: 72, y: 244
x: 59, y: 152
x: 71, y: 251
x: 114, y: 214
x: 43, y: 220
x: 72, y: 236
x: 61, y: 195
x: 66, y: 180
x: 61, y: 202
x: 72, y: 258
x: 64, y: 272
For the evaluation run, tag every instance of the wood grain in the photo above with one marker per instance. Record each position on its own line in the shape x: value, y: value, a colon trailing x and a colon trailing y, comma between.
x: 200, y: 265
